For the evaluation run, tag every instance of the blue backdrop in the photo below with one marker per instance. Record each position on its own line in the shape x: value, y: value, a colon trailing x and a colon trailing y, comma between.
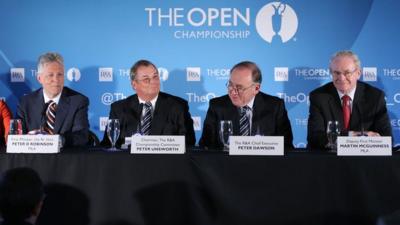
x: 195, y: 43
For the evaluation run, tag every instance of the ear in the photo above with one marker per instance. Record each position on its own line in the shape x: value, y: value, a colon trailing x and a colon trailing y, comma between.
x: 133, y: 84
x: 39, y: 78
x: 358, y: 74
x: 257, y: 88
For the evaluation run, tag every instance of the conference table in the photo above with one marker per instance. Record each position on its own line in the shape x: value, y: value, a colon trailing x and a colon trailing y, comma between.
x: 95, y: 186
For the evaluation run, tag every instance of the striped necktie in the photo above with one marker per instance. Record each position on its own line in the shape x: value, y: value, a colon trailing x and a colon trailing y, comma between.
x: 244, y: 121
x: 146, y: 120
x: 50, y: 117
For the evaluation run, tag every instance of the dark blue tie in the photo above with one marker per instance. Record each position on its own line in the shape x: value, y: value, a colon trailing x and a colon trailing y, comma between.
x: 244, y: 121
x: 146, y: 120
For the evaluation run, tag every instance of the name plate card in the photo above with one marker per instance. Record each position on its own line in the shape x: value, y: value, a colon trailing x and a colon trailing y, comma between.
x: 33, y: 144
x: 364, y: 146
x: 256, y: 145
x: 158, y: 144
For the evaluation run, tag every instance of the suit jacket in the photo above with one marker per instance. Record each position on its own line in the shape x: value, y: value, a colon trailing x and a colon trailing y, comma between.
x: 369, y: 112
x: 170, y: 117
x: 5, y: 116
x: 269, y: 119
x: 71, y: 115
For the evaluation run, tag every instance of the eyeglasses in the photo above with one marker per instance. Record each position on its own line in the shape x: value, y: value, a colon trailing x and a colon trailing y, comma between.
x: 346, y: 73
x: 238, y: 89
x: 147, y: 80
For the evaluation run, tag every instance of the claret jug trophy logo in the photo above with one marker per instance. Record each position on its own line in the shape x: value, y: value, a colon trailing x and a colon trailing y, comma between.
x: 276, y: 21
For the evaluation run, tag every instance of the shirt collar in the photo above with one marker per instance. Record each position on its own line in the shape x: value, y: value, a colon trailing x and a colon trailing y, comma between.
x: 350, y: 94
x: 251, y: 103
x: 153, y: 101
x: 55, y: 99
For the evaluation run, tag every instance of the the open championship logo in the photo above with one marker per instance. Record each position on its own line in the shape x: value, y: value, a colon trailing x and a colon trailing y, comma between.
x: 74, y: 74
x: 276, y: 20
x: 163, y: 73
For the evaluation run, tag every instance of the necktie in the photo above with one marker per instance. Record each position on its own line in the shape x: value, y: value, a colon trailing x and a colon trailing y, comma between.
x: 244, y: 121
x: 346, y: 112
x: 146, y: 120
x: 50, y: 117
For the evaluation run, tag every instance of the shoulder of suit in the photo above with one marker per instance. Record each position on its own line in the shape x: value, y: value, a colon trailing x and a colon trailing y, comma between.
x: 125, y: 102
x: 326, y: 88
x: 32, y: 95
x: 171, y: 98
x: 224, y: 99
x: 369, y: 89
x: 267, y: 97
x: 74, y: 94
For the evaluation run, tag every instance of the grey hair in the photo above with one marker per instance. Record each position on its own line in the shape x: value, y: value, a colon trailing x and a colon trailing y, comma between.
x: 49, y: 57
x: 347, y: 53
x: 138, y: 64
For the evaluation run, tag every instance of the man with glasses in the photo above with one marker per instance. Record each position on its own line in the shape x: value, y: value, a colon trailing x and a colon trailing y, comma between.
x: 149, y: 111
x: 251, y: 111
x: 359, y: 108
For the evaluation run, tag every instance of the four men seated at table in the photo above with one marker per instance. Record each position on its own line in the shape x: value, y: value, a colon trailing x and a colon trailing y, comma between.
x: 251, y: 111
x: 359, y: 108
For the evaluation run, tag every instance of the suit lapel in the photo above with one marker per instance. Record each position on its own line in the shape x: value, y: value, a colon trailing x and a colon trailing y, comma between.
x: 232, y: 113
x: 38, y: 111
x: 257, y: 109
x: 159, y: 115
x: 335, y: 105
x: 62, y: 110
x: 358, y: 102
x: 133, y: 113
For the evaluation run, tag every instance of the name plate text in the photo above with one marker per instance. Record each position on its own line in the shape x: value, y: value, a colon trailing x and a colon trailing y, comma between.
x: 364, y: 146
x: 158, y: 144
x: 256, y: 145
x: 33, y: 144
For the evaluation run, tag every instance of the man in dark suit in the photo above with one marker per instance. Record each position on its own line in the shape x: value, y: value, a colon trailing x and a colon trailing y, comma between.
x: 265, y: 114
x: 149, y: 111
x: 55, y: 109
x: 21, y: 196
x: 359, y: 108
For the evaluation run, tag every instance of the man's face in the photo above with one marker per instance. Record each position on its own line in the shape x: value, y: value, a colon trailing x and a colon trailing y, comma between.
x: 52, y: 78
x: 146, y: 83
x: 345, y: 73
x: 241, y: 88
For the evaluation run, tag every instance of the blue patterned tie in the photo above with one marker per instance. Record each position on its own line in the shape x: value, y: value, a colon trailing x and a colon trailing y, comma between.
x: 244, y: 121
x: 146, y: 120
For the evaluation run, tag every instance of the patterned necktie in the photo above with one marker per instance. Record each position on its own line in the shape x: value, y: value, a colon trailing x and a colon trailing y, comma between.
x: 346, y: 112
x: 50, y: 117
x: 146, y: 120
x: 244, y: 121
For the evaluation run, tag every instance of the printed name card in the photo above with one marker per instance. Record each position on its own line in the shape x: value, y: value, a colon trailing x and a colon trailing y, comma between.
x: 33, y: 144
x: 364, y: 146
x: 158, y: 144
x: 256, y: 145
